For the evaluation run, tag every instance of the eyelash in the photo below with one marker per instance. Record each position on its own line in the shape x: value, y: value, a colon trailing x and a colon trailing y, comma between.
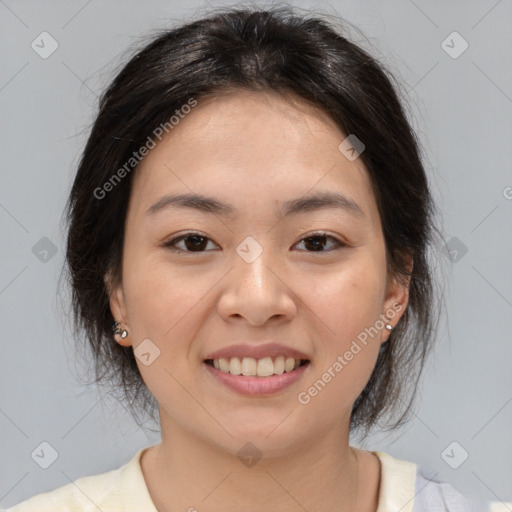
x: 320, y: 234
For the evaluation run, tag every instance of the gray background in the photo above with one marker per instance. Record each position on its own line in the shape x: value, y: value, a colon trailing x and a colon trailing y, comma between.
x: 461, y: 109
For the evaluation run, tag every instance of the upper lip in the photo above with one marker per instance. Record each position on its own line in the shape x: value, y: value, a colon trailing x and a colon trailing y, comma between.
x: 257, y: 351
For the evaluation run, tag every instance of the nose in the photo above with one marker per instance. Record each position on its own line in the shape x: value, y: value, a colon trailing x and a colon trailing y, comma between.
x: 256, y: 292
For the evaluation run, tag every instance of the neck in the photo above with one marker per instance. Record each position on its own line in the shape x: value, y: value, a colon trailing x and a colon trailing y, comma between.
x: 185, y: 472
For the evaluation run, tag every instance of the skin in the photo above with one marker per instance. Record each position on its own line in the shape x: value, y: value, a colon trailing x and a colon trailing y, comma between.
x: 254, y: 151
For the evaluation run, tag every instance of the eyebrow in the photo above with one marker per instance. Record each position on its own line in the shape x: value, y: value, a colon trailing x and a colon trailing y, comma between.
x: 292, y: 207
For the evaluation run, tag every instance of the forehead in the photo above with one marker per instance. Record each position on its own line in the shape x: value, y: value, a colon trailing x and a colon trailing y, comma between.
x: 257, y: 146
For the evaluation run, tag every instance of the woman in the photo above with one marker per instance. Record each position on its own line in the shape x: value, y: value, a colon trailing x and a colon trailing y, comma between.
x: 248, y: 245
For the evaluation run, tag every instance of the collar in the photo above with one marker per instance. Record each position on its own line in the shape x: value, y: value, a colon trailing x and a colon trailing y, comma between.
x: 396, y: 489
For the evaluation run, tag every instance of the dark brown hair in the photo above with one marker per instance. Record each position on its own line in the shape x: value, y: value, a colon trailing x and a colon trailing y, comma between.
x: 288, y: 53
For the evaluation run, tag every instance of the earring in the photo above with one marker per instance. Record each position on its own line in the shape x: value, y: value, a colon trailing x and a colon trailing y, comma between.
x: 116, y: 329
x: 389, y: 327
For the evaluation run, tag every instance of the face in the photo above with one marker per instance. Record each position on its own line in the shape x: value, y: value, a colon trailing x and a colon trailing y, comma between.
x: 259, y: 270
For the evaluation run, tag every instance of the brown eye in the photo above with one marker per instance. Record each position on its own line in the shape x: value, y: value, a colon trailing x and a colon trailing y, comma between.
x: 318, y: 243
x: 191, y: 242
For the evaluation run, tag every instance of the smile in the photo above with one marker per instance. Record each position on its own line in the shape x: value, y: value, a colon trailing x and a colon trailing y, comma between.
x: 256, y: 377
x: 250, y: 367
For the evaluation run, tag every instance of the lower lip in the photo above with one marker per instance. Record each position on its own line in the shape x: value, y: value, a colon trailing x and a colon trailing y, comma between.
x: 254, y: 386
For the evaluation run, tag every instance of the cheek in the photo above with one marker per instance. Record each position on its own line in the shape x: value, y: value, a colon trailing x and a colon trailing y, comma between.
x: 163, y: 308
x: 348, y: 302
x: 159, y: 298
x: 347, y: 306
x: 167, y: 307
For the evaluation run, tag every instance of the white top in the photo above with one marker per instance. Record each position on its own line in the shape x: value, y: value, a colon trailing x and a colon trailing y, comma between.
x: 402, y: 488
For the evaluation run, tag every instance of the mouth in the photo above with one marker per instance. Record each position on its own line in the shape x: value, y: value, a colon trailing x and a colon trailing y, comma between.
x: 256, y: 368
x: 257, y: 377
x: 263, y: 367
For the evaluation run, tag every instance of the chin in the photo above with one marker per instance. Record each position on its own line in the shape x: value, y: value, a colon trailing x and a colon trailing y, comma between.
x: 272, y: 436
x: 252, y: 447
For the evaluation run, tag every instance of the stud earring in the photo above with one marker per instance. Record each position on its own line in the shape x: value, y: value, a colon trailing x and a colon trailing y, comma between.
x: 116, y: 329
x: 389, y: 327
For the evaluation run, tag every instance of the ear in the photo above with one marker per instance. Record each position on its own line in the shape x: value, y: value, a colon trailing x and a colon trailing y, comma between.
x: 397, y: 298
x: 117, y: 306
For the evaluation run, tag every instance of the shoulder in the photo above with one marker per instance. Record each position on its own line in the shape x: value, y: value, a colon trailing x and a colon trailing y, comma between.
x: 404, y: 487
x: 118, y: 490
x: 432, y: 496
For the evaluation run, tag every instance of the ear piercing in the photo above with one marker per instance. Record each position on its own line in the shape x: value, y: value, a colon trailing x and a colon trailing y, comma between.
x: 123, y: 333
x: 116, y: 329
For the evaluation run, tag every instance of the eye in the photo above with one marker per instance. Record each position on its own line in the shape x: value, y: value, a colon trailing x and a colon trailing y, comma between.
x: 195, y: 242
x: 317, y: 242
x: 191, y: 242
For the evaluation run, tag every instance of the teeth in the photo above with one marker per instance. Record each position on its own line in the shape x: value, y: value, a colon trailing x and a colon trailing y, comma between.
x: 224, y: 364
x: 265, y: 367
x: 279, y: 365
x: 289, y: 364
x: 249, y: 366
x: 235, y: 366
